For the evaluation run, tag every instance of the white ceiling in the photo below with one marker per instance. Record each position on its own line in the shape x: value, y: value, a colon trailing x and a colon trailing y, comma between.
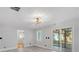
x: 24, y: 18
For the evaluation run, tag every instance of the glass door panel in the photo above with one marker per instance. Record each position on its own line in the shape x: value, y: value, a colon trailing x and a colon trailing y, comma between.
x: 63, y: 38
x: 56, y: 38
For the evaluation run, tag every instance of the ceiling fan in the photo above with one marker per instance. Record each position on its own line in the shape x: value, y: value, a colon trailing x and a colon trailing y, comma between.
x: 15, y: 8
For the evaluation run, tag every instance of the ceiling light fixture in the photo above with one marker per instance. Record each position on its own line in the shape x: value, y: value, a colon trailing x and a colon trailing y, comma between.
x: 38, y: 20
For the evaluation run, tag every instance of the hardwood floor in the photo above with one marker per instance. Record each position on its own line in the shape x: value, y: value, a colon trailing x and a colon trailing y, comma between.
x: 30, y: 49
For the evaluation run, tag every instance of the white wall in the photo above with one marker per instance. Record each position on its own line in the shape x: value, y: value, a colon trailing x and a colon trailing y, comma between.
x: 76, y: 36
x: 45, y: 43
x: 29, y: 37
x: 9, y: 37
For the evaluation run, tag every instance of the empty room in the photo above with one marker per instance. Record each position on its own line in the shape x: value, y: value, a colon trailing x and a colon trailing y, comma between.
x: 39, y: 29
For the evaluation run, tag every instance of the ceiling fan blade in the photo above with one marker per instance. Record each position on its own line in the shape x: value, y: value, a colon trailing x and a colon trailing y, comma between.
x: 15, y: 8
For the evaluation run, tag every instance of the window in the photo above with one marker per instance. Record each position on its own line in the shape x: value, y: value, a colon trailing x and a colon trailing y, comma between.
x: 39, y: 35
x: 20, y: 34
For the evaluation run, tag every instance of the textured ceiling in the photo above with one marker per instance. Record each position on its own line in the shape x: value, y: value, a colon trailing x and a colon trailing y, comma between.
x: 25, y: 16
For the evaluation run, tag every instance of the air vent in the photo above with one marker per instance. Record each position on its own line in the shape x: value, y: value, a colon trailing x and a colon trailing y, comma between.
x: 15, y: 8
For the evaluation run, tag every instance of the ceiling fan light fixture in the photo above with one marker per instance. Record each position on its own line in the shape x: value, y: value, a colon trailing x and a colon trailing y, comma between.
x: 38, y: 20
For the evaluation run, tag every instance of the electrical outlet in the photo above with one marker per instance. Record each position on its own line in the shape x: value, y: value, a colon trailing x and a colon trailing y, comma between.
x: 30, y: 43
x: 4, y: 47
x: 45, y: 45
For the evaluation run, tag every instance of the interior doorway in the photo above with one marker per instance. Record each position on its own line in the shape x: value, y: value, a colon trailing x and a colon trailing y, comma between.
x: 62, y: 39
x: 20, y: 41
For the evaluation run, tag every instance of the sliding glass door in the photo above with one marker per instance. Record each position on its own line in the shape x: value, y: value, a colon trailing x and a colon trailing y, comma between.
x: 62, y: 38
x: 66, y: 37
x: 56, y: 38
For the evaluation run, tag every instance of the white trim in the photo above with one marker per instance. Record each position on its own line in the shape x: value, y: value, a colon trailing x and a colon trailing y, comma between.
x: 43, y: 47
x: 6, y: 49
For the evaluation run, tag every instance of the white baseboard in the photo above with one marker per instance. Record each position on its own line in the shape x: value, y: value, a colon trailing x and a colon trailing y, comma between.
x: 43, y: 47
x: 6, y: 49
